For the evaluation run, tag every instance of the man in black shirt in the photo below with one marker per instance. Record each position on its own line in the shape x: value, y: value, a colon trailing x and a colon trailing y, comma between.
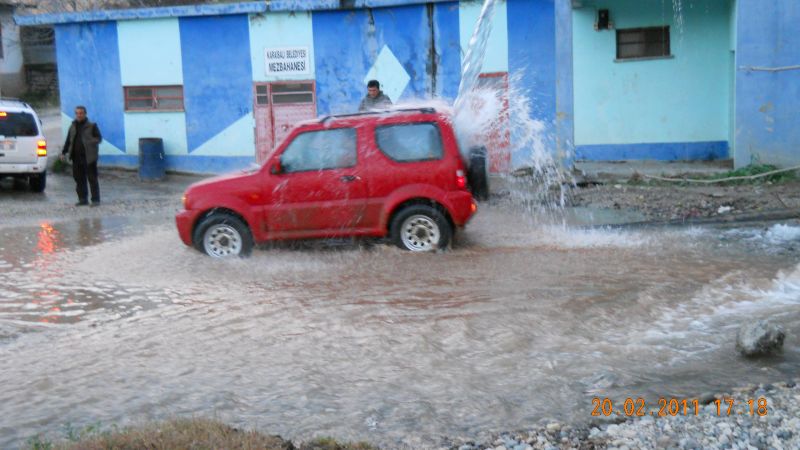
x: 82, y: 147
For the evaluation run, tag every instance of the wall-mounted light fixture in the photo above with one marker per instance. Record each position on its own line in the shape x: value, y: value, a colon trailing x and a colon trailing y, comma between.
x: 603, y: 21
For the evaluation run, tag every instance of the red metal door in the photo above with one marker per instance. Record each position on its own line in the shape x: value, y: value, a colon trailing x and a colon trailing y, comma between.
x: 292, y: 103
x: 498, y: 142
x: 263, y: 115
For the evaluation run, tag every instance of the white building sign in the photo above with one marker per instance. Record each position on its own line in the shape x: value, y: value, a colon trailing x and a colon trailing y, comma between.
x: 287, y: 61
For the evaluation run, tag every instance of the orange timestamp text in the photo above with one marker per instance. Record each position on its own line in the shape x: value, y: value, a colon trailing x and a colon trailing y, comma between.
x: 637, y: 407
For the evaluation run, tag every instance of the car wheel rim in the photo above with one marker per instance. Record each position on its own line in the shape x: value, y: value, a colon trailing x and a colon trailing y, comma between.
x: 222, y: 240
x: 420, y: 234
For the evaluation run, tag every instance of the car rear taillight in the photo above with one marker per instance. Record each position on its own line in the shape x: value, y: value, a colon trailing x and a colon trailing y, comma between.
x: 461, y: 179
x: 41, y: 148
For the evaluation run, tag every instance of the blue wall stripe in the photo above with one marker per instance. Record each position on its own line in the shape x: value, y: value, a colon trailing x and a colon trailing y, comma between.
x: 89, y: 74
x: 531, y: 27
x: 185, y: 163
x: 217, y: 75
x: 565, y: 97
x: 346, y: 45
x: 682, y: 151
x: 448, y: 49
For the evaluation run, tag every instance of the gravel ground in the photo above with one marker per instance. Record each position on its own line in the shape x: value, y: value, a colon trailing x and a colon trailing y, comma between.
x: 776, y: 427
x: 669, y: 202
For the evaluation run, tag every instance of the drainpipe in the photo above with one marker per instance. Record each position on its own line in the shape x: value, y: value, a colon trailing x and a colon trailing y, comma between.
x: 433, y: 58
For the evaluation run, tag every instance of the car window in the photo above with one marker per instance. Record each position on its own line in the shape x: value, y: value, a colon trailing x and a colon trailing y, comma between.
x: 319, y: 150
x: 410, y: 142
x: 17, y: 124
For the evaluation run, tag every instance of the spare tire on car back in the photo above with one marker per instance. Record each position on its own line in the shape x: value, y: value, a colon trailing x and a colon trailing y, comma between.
x: 478, y: 173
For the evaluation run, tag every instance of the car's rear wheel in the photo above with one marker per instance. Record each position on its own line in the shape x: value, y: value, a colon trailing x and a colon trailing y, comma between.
x: 222, y: 235
x: 38, y: 182
x: 478, y: 173
x: 421, y: 228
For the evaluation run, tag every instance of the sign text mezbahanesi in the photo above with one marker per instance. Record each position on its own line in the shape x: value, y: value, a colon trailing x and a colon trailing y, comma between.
x: 287, y: 61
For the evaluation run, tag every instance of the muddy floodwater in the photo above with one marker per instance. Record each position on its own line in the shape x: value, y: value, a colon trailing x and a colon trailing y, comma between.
x: 112, y: 319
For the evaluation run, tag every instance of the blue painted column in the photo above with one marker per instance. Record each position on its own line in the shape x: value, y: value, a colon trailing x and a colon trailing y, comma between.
x: 448, y: 50
x: 767, y: 83
x: 532, y: 56
x: 565, y: 103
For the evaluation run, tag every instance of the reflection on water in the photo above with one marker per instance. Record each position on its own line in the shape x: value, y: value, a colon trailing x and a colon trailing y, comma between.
x: 517, y: 324
x: 48, y: 239
x: 37, y: 289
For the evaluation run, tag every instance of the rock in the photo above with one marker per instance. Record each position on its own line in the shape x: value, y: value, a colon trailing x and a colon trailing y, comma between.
x: 759, y: 338
x: 706, y: 398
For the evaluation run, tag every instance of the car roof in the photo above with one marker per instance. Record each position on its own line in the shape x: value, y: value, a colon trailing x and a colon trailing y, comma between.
x: 376, y: 114
x: 13, y: 104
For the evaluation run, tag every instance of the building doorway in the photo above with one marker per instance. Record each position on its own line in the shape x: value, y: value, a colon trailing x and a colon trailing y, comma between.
x: 278, y: 108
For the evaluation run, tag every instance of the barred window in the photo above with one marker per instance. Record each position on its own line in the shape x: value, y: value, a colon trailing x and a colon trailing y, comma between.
x: 650, y: 42
x: 154, y: 98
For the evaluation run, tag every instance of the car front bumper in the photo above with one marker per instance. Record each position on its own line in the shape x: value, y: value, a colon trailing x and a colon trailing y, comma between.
x: 185, y: 222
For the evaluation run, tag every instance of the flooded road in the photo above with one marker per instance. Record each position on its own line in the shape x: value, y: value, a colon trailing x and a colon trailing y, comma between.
x: 113, y: 319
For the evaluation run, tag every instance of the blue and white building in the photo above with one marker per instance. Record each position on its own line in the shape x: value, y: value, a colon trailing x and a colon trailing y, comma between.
x: 611, y: 79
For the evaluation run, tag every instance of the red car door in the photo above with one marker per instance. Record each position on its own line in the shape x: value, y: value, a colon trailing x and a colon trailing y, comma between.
x: 318, y: 190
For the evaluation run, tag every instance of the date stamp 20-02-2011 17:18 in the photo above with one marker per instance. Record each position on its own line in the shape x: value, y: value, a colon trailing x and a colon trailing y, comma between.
x: 638, y: 407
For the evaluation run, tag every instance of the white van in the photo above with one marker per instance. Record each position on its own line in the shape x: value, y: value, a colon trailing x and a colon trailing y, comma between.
x: 23, y: 148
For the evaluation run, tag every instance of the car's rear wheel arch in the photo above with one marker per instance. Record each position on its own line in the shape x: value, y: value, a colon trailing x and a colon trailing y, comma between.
x: 419, y: 201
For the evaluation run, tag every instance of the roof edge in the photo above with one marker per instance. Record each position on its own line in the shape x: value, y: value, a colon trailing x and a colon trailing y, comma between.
x: 141, y: 13
x: 210, y: 10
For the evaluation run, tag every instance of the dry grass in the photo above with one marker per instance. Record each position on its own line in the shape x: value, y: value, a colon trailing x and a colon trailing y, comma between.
x: 187, y: 434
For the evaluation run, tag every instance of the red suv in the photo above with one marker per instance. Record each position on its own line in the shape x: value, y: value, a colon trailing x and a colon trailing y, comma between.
x: 398, y: 174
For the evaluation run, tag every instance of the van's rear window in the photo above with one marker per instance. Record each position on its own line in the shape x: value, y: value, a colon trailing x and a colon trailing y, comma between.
x: 17, y: 124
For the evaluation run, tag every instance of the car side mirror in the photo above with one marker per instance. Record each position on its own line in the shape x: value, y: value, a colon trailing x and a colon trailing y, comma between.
x: 276, y: 169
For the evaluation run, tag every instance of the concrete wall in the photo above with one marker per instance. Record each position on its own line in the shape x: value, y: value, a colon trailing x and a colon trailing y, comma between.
x: 90, y: 75
x: 767, y: 83
x: 216, y: 53
x: 280, y: 30
x: 12, y: 77
x: 672, y: 108
x: 396, y: 45
x: 144, y: 44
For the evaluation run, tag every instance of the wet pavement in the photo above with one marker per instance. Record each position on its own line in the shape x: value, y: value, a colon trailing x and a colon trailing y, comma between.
x: 106, y: 316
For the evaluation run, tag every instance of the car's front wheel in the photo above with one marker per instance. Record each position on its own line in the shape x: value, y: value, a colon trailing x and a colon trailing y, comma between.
x: 421, y: 228
x: 222, y: 235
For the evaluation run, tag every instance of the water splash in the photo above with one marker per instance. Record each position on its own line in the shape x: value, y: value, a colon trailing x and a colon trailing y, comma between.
x: 498, y: 116
x: 473, y: 59
x: 677, y: 10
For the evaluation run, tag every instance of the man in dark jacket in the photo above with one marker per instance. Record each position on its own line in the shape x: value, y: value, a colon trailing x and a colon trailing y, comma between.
x: 82, y: 147
x: 375, y: 98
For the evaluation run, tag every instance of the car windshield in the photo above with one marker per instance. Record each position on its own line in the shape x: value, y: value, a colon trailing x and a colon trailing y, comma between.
x: 17, y: 124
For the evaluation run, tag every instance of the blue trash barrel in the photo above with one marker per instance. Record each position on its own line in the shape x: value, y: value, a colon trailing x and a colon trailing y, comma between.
x: 151, y: 159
